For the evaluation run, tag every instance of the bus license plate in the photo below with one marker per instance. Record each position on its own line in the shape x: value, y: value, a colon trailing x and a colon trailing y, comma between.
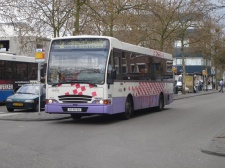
x: 74, y: 109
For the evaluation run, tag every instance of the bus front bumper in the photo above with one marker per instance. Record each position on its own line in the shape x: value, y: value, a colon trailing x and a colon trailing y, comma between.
x: 78, y: 109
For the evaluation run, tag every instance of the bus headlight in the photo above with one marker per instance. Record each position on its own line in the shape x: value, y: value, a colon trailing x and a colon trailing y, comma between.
x: 50, y: 101
x: 105, y: 102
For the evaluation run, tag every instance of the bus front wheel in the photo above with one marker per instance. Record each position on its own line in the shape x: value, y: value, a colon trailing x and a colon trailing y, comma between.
x: 129, y: 109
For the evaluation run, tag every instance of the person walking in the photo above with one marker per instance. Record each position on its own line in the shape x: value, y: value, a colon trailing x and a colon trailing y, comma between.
x: 221, y: 86
x: 196, y: 85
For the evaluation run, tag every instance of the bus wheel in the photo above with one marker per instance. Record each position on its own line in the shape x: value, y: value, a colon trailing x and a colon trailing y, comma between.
x: 76, y: 116
x: 10, y: 109
x: 161, y: 103
x: 129, y: 109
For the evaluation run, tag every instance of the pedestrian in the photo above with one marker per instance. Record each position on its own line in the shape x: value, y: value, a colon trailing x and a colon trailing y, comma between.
x: 196, y: 85
x: 221, y: 86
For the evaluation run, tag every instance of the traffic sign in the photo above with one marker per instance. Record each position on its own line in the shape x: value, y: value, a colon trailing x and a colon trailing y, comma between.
x: 40, y: 55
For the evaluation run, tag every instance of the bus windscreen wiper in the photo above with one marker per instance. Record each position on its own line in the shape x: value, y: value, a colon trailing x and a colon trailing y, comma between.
x: 58, y: 83
x: 74, y: 81
x: 82, y: 81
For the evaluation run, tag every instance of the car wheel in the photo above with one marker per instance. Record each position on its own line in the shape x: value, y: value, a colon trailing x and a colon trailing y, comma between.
x: 10, y: 109
x: 128, y: 109
x: 76, y: 116
x: 36, y: 108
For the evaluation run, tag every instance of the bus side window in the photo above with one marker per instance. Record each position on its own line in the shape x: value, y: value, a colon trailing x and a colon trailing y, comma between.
x: 117, y: 54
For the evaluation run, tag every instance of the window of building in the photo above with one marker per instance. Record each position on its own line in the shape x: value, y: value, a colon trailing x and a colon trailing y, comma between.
x: 178, y: 43
x: 4, y: 45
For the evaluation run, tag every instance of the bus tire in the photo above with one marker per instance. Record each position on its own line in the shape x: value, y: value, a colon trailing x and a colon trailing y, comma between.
x: 10, y: 109
x: 76, y: 116
x: 129, y: 109
x: 160, y: 106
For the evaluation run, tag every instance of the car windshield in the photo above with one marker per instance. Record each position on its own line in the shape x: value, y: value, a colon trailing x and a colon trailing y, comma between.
x: 179, y: 79
x: 28, y: 89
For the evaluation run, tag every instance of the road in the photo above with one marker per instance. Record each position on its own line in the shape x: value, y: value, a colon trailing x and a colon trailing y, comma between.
x: 172, y: 138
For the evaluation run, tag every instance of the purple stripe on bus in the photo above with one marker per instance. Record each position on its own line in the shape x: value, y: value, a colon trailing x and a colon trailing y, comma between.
x: 117, y: 106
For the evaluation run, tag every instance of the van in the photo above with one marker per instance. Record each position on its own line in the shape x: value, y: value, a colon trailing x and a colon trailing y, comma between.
x: 179, y: 83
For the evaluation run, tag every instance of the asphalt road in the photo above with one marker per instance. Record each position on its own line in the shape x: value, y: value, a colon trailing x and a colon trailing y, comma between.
x: 172, y: 138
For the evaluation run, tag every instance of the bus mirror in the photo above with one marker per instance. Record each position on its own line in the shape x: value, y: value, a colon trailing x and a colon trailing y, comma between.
x: 113, y: 74
x: 42, y: 79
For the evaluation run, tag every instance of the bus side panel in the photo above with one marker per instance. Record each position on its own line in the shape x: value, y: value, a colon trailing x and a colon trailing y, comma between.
x: 149, y: 101
x: 4, y: 94
x: 118, y: 104
x: 168, y: 98
x: 146, y: 94
x: 137, y: 103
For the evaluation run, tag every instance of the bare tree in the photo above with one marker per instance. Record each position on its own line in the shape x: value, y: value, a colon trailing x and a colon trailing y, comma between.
x: 107, y: 12
x: 163, y: 22
x: 49, y: 15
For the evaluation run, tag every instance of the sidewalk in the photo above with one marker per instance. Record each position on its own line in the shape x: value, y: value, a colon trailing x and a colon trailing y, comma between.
x: 181, y: 96
x: 215, y: 147
x: 34, y: 116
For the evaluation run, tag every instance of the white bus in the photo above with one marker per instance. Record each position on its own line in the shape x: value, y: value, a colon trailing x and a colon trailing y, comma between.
x: 89, y: 75
x: 15, y: 71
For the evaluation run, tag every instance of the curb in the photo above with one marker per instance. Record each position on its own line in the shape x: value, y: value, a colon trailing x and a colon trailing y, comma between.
x: 212, y: 152
x: 181, y: 96
x: 216, y: 146
x: 35, y: 117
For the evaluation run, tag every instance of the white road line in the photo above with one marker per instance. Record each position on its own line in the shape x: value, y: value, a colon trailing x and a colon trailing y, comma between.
x: 2, y: 114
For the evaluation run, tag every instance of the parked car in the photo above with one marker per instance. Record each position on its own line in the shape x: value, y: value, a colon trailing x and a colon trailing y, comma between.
x: 26, y: 97
x: 179, y: 83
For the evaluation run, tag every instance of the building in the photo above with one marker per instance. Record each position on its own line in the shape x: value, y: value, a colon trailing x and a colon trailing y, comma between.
x: 196, y: 63
x: 13, y: 41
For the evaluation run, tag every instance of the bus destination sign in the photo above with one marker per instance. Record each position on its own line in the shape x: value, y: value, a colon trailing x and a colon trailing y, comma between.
x: 80, y: 44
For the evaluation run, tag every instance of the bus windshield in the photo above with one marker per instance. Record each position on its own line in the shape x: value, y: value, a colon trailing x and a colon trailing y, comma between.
x: 77, y: 61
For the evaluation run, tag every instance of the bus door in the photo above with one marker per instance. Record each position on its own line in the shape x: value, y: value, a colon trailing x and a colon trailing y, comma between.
x: 114, y: 81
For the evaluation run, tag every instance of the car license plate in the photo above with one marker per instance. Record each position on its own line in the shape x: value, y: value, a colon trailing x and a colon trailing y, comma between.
x: 17, y: 104
x: 74, y: 109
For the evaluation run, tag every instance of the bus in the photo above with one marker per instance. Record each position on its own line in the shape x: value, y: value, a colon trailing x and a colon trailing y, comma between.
x: 15, y: 71
x: 91, y: 75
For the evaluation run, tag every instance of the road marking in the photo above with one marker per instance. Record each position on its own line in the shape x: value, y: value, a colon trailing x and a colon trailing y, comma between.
x: 4, y: 114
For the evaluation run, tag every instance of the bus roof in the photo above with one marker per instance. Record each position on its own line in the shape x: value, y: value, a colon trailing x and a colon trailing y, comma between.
x: 115, y: 43
x: 17, y: 58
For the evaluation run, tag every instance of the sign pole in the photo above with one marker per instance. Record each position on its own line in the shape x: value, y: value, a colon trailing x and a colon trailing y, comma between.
x: 39, y: 58
x: 39, y: 81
